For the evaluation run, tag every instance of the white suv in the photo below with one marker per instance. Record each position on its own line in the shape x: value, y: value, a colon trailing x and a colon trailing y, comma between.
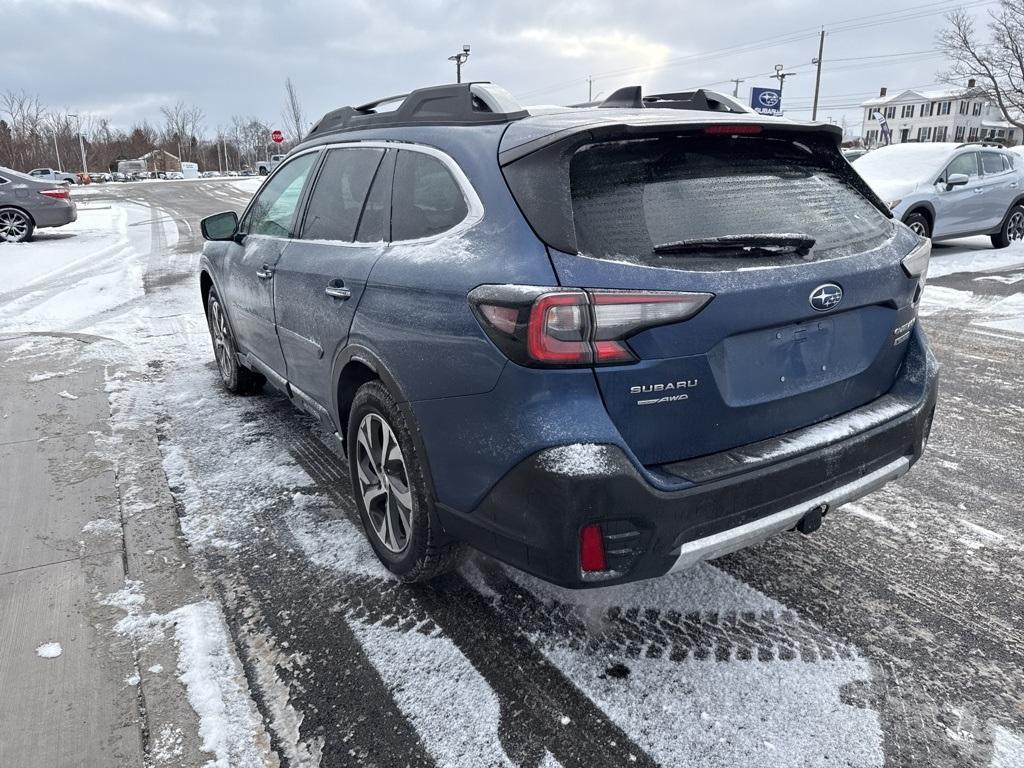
x: 946, y: 190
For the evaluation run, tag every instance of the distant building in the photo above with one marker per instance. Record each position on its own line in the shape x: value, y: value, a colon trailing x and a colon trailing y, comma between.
x: 937, y: 114
x: 158, y: 161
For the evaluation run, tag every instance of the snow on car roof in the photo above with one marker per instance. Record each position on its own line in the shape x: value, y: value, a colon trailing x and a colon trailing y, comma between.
x: 904, y: 162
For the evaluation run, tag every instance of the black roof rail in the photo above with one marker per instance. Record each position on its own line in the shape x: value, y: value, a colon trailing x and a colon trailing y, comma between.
x: 702, y: 100
x: 478, y: 103
x: 983, y: 143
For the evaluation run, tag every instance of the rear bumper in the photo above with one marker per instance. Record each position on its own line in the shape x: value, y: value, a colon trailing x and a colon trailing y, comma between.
x: 55, y: 215
x: 532, y: 517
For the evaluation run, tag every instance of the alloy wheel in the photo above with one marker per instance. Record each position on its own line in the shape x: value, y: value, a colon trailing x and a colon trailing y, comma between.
x: 221, y: 335
x: 1015, y: 227
x: 384, y: 483
x: 918, y: 228
x: 13, y: 226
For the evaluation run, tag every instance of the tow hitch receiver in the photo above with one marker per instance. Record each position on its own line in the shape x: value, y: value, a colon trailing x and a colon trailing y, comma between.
x: 811, y: 522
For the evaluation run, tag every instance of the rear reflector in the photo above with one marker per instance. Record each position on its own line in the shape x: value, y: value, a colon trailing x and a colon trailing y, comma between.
x: 732, y: 130
x: 61, y: 193
x: 592, y: 549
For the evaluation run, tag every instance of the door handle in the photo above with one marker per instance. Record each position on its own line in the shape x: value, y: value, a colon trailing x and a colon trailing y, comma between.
x: 264, y: 272
x: 336, y: 290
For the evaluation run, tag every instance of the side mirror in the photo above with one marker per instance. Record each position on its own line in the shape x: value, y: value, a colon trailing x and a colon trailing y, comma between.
x: 957, y: 180
x: 220, y: 226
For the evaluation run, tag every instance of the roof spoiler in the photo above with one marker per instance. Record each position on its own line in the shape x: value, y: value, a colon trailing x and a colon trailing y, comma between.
x: 701, y: 99
x: 456, y: 104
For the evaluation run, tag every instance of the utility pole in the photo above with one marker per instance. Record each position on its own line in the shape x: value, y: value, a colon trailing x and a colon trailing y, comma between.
x: 590, y: 88
x: 57, y: 150
x: 81, y: 144
x: 460, y: 59
x: 817, y: 77
x: 736, y: 87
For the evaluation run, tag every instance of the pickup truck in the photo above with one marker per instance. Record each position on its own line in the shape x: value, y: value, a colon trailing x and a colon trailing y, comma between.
x: 49, y: 174
x: 264, y: 167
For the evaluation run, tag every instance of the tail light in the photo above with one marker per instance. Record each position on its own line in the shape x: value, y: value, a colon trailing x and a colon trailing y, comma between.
x: 60, y: 193
x: 727, y: 129
x: 560, y: 327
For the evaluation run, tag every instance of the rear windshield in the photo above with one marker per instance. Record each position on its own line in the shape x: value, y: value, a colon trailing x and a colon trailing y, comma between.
x: 630, y: 197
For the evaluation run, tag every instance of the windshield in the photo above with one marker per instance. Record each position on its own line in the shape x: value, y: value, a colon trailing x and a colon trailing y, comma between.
x: 903, y: 163
x: 631, y: 197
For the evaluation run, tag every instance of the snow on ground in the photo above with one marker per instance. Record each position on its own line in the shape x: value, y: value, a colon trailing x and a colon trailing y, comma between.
x: 230, y: 727
x: 440, y: 692
x: 49, y: 650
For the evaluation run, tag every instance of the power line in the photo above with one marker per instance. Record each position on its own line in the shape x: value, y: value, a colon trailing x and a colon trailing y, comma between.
x: 845, y: 25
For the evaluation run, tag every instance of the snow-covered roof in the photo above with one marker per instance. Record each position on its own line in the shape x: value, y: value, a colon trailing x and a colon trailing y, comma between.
x: 904, y: 163
x: 936, y: 93
x: 149, y: 155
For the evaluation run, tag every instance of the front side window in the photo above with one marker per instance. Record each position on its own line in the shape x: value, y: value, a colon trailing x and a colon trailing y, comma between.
x: 274, y: 208
x: 336, y: 202
x: 426, y: 199
x: 966, y: 163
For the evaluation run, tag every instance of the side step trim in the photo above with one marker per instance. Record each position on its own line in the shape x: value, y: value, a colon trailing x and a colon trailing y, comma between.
x: 756, y: 531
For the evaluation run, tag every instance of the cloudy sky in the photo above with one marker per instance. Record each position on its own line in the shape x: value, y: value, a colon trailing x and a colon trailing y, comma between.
x: 123, y: 59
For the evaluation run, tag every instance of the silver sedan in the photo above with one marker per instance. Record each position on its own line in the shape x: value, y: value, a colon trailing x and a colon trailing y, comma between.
x: 27, y: 204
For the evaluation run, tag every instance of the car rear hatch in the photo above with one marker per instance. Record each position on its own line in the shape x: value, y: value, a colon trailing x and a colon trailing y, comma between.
x: 810, y: 304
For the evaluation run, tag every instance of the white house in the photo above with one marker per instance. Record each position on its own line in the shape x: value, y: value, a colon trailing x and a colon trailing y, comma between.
x: 937, y: 114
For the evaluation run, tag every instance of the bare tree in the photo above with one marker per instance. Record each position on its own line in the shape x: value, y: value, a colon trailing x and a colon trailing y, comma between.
x: 997, y: 65
x: 293, y: 114
x: 182, y: 128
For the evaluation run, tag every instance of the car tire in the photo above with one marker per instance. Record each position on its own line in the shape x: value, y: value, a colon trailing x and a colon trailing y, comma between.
x: 391, y: 491
x: 919, y: 223
x: 16, y: 226
x: 237, y: 378
x: 1013, y: 228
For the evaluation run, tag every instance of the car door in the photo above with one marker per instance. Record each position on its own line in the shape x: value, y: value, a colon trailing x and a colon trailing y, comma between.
x: 321, y: 275
x: 264, y: 231
x: 957, y: 209
x: 1001, y: 187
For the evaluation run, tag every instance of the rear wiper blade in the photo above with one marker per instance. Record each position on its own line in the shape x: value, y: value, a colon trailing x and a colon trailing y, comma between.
x: 756, y: 243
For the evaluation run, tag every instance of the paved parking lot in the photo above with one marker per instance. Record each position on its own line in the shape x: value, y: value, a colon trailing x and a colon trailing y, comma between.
x: 893, y: 636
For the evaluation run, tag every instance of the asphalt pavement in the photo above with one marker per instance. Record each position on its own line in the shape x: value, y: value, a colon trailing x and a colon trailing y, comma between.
x: 892, y: 636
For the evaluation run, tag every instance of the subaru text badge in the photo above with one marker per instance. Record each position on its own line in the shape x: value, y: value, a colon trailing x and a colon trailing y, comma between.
x: 826, y: 297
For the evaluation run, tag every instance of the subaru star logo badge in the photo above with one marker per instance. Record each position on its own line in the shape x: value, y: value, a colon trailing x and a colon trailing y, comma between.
x: 826, y: 297
x: 769, y: 98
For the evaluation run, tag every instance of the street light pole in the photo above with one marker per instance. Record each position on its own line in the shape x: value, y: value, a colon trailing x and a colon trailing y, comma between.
x: 781, y: 76
x: 460, y: 59
x: 736, y: 87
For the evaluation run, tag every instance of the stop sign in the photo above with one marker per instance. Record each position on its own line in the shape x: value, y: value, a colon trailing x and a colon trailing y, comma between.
x: 277, y: 137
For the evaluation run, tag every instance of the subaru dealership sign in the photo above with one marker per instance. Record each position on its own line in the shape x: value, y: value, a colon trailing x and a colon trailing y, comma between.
x: 767, y: 101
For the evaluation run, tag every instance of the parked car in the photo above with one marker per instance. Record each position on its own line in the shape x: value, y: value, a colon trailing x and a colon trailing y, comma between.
x: 28, y: 203
x: 854, y: 153
x: 945, y: 190
x: 50, y: 174
x: 100, y: 178
x: 83, y: 178
x: 598, y: 344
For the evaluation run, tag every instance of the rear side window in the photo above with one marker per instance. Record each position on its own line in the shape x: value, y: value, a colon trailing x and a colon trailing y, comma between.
x: 426, y: 199
x: 630, y: 197
x: 1007, y: 162
x: 991, y: 163
x: 336, y: 202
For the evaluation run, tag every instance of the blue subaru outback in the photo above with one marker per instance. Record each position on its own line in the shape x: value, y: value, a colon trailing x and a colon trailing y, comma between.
x: 598, y: 343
